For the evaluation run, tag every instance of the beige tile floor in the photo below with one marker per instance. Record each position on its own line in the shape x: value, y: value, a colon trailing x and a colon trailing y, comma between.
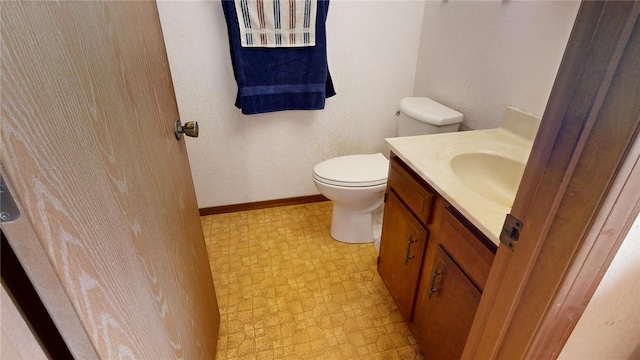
x: 287, y: 290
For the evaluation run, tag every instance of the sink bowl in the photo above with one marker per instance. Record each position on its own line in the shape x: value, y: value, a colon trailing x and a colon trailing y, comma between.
x: 493, y: 176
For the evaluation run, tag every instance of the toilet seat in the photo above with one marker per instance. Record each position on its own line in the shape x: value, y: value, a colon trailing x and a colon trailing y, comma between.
x: 362, y: 170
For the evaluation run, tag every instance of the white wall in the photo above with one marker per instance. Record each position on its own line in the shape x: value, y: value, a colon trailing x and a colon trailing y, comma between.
x: 475, y: 56
x: 610, y: 325
x: 373, y: 52
x: 480, y: 56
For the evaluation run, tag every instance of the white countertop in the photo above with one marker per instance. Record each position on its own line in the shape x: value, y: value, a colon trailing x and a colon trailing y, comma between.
x: 430, y: 155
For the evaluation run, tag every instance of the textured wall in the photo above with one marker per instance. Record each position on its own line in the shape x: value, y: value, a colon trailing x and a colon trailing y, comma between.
x: 474, y: 56
x: 610, y: 325
x: 479, y: 56
x: 373, y: 51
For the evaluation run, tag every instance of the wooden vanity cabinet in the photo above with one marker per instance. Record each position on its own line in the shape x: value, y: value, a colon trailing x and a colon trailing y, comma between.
x: 434, y: 262
x: 408, y: 207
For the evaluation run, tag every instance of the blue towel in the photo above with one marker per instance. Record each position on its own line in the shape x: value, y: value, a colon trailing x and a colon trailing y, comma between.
x: 275, y: 79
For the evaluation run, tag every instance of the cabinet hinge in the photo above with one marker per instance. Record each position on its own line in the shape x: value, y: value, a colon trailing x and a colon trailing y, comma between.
x: 386, y: 195
x: 10, y: 210
x: 378, y: 262
x: 511, y: 231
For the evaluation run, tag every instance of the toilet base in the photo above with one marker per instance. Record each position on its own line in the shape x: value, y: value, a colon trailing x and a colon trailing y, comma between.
x: 356, y: 227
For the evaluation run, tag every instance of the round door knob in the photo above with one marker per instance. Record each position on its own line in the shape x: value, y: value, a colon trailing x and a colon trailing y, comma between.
x: 189, y: 129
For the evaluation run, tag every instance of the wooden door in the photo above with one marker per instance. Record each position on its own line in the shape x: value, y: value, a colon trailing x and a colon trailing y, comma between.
x: 104, y: 187
x: 401, y: 251
x: 444, y: 316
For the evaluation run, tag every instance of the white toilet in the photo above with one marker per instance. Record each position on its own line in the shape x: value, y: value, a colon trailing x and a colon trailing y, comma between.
x: 356, y: 183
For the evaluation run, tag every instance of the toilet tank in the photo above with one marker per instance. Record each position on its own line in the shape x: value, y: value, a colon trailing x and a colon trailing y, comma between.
x: 421, y: 115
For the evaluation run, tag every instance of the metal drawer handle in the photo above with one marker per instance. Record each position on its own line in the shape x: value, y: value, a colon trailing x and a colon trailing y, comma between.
x: 409, y: 257
x: 433, y: 290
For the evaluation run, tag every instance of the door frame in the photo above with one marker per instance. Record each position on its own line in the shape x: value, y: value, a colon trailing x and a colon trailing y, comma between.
x: 578, y: 197
x: 24, y: 241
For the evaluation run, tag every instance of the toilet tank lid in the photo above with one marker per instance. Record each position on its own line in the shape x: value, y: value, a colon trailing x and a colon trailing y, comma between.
x: 429, y: 111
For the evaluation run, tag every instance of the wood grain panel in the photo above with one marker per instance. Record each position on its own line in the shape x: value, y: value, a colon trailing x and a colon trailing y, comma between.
x: 88, y: 144
x: 19, y: 285
x: 18, y: 342
x: 42, y: 275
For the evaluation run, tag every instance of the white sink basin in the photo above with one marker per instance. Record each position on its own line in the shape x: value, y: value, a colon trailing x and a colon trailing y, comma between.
x: 478, y: 172
x: 493, y: 176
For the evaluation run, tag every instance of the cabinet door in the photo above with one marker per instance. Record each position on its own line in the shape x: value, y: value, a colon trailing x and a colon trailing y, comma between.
x: 445, y: 309
x: 401, y: 249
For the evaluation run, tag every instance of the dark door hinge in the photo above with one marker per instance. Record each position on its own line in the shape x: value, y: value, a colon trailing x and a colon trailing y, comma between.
x: 9, y: 212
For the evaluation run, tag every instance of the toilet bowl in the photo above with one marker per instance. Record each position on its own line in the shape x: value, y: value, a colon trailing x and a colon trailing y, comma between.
x: 356, y: 185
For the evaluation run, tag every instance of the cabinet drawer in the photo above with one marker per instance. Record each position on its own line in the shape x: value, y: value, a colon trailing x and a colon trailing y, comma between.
x: 467, y: 247
x: 416, y: 197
